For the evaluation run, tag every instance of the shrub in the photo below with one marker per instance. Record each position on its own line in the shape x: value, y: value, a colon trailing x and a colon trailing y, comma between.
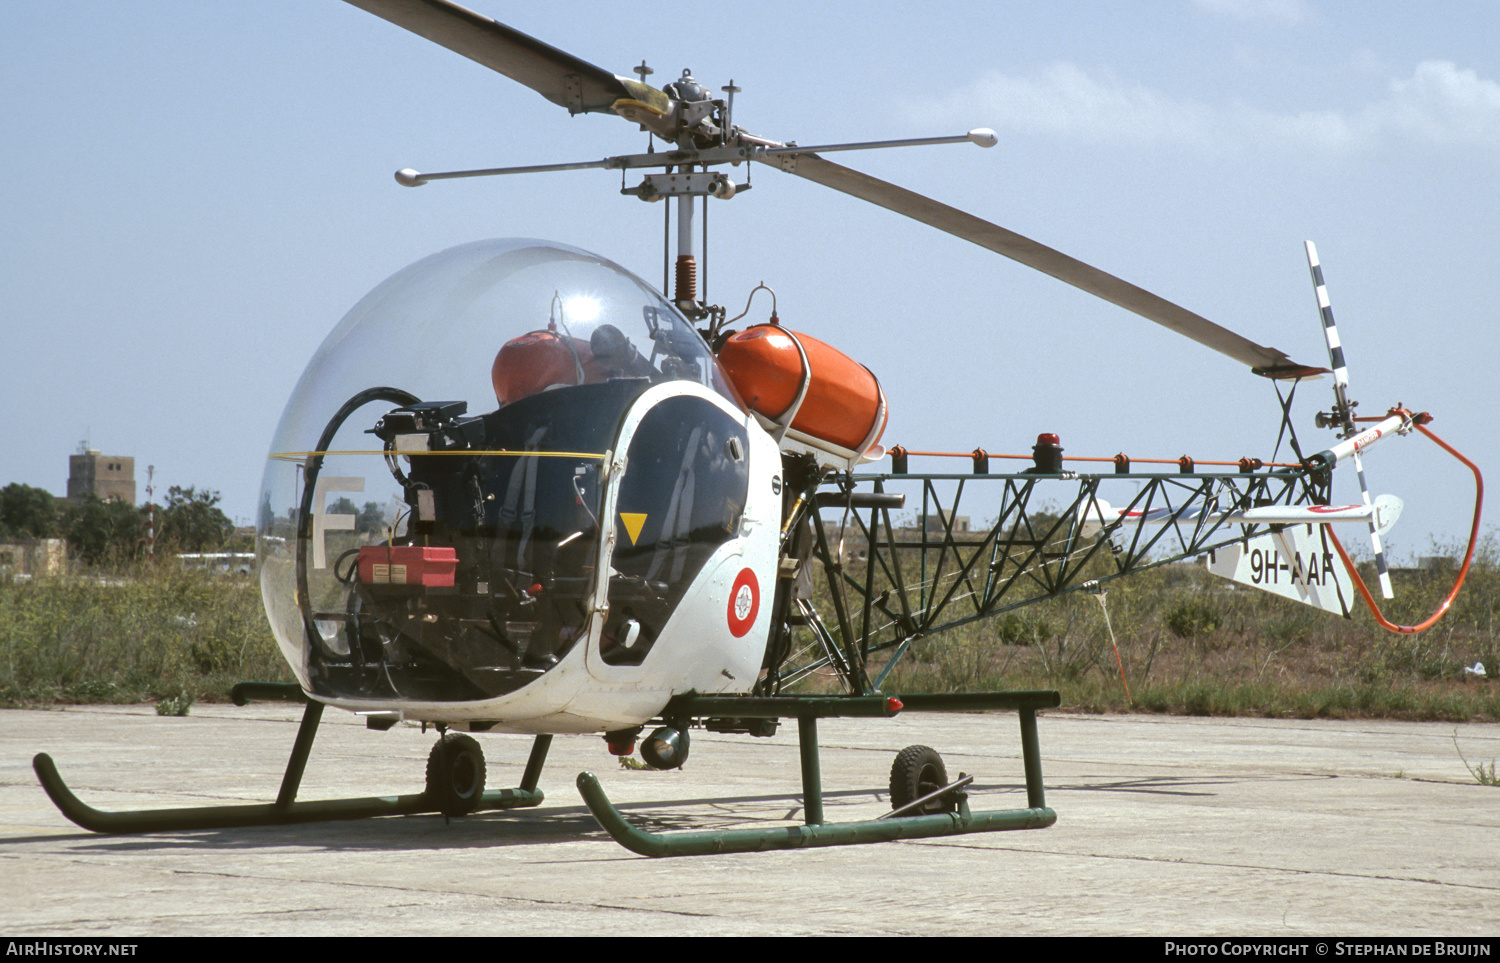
x: 1192, y: 618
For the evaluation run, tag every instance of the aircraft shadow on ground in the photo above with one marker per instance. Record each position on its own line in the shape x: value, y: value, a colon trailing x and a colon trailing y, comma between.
x: 490, y: 829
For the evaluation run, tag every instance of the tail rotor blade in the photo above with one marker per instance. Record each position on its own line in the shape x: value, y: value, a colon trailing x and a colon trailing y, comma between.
x: 1343, y: 408
x: 1331, y: 337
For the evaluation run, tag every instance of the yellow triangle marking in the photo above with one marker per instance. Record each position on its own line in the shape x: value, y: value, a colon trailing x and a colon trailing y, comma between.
x: 634, y: 521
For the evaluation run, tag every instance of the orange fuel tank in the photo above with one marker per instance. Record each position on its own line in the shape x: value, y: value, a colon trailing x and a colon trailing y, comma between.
x: 537, y: 361
x: 831, y: 401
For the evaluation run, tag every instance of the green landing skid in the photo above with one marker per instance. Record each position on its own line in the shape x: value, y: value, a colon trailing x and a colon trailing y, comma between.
x: 816, y: 832
x: 285, y: 810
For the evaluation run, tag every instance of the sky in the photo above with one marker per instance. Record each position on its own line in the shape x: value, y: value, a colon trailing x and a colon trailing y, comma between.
x: 197, y: 192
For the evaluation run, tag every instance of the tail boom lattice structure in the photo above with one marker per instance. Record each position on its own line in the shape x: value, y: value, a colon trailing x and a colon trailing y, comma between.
x: 889, y: 585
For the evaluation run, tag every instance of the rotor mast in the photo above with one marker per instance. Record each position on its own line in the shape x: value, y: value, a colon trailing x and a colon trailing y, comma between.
x: 699, y: 128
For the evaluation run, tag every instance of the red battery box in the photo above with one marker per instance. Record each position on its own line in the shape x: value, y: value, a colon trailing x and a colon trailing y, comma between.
x: 426, y: 565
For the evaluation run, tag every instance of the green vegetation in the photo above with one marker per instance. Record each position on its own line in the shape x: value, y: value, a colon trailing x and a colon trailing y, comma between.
x: 112, y: 533
x: 1197, y: 645
x: 1195, y: 616
x: 1189, y: 643
x: 191, y: 521
x: 1483, y: 776
x: 177, y: 705
x: 141, y: 634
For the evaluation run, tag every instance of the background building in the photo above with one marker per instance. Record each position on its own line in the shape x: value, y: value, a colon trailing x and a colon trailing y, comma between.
x: 107, y: 476
x: 33, y: 557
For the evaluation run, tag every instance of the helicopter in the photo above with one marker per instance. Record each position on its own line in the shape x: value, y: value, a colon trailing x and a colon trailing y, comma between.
x: 595, y: 507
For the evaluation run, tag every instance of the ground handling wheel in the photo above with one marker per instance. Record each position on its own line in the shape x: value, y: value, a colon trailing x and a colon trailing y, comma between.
x: 917, y: 771
x: 455, y: 774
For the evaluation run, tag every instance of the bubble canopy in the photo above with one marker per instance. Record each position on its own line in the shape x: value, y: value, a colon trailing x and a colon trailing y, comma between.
x: 434, y: 328
x: 488, y: 324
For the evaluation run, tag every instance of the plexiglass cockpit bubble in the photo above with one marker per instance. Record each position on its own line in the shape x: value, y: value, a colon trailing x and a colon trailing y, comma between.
x: 429, y: 519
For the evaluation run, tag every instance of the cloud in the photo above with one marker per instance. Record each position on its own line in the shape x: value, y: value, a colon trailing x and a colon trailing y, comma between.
x: 1064, y: 100
x: 1440, y: 103
x: 1277, y: 11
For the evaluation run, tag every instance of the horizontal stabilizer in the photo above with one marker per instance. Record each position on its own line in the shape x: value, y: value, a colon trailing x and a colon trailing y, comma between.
x: 1385, y: 510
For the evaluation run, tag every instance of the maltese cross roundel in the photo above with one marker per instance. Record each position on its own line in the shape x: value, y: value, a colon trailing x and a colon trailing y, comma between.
x: 744, y: 603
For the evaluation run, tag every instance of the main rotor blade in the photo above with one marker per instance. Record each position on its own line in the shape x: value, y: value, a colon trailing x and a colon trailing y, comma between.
x: 1262, y: 360
x: 559, y: 76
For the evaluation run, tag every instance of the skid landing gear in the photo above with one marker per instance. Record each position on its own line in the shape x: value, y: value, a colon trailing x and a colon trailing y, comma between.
x: 939, y: 810
x: 459, y: 787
